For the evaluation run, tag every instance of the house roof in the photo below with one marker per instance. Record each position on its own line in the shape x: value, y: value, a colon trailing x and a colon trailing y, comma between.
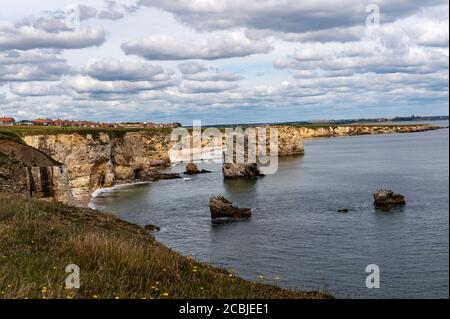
x: 7, y: 120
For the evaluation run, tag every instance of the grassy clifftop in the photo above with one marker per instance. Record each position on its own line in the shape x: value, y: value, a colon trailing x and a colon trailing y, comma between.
x: 117, y: 259
x: 112, y: 132
x: 119, y: 132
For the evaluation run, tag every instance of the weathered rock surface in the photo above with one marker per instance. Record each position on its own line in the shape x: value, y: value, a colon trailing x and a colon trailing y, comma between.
x: 221, y: 207
x: 101, y: 160
x: 386, y: 199
x: 152, y: 228
x: 290, y: 141
x: 30, y: 172
x: 350, y: 130
x: 236, y: 170
x: 192, y: 169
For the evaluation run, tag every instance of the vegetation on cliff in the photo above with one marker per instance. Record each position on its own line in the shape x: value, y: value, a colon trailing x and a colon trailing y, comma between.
x: 22, y: 131
x: 117, y: 259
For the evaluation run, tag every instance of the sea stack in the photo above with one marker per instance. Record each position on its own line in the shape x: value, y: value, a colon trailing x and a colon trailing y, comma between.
x: 221, y: 207
x: 237, y: 170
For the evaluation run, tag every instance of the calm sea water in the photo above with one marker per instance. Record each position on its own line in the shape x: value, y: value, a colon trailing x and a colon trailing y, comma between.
x: 296, y: 238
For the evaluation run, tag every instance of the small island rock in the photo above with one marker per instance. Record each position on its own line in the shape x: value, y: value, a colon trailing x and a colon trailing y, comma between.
x: 233, y: 170
x: 192, y: 169
x: 386, y: 198
x: 221, y: 207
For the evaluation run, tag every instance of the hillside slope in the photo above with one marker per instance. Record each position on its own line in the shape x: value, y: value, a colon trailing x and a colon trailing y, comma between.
x: 117, y: 259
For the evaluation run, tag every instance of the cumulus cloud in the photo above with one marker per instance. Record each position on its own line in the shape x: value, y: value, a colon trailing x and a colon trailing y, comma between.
x: 191, y: 67
x: 287, y: 16
x: 383, y: 51
x: 213, y: 76
x: 33, y: 65
x: 126, y: 70
x: 86, y: 84
x: 195, y: 71
x: 207, y: 86
x: 114, y: 79
x: 35, y: 89
x: 328, y: 63
x: 198, y: 78
x: 111, y: 11
x: 31, y: 36
x: 229, y: 45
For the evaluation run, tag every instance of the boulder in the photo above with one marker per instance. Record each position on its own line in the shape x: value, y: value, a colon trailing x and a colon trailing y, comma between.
x: 192, y: 169
x: 152, y: 228
x: 386, y: 199
x: 221, y: 207
x: 235, y: 170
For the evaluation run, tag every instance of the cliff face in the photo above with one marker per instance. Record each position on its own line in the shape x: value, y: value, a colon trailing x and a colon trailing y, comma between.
x: 95, y: 162
x: 102, y: 160
x: 331, y: 131
x: 28, y: 171
x: 290, y: 141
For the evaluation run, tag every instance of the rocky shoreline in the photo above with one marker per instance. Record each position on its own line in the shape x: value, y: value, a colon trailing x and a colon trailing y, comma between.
x: 88, y: 162
x: 67, y: 167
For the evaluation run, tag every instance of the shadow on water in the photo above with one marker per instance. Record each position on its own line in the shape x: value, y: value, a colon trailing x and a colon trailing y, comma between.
x: 236, y: 187
x: 387, y: 209
x: 223, y: 221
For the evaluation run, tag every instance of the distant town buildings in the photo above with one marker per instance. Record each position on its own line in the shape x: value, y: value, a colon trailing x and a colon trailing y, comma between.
x: 9, y: 121
x: 4, y: 121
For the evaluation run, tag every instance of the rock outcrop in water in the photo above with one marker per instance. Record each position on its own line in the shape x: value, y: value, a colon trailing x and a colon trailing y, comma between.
x: 243, y: 170
x: 386, y: 199
x: 27, y: 171
x: 192, y: 169
x: 152, y: 228
x: 221, y: 207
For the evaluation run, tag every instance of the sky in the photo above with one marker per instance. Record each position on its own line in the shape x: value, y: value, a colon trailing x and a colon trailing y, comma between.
x: 223, y: 61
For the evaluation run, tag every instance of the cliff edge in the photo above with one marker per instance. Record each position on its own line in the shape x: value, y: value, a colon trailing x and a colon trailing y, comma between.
x: 101, y: 160
x: 28, y: 171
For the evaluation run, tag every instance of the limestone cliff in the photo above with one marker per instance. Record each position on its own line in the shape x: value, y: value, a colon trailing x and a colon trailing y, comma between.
x: 101, y: 160
x: 349, y: 130
x: 290, y: 141
x: 28, y: 171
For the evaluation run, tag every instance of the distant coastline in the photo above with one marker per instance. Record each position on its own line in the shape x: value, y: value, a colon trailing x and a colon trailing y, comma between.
x: 377, y: 120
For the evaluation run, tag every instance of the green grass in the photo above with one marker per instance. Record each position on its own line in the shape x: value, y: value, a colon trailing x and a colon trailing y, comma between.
x: 117, y: 259
x: 95, y: 132
x: 119, y: 132
x: 5, y: 134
